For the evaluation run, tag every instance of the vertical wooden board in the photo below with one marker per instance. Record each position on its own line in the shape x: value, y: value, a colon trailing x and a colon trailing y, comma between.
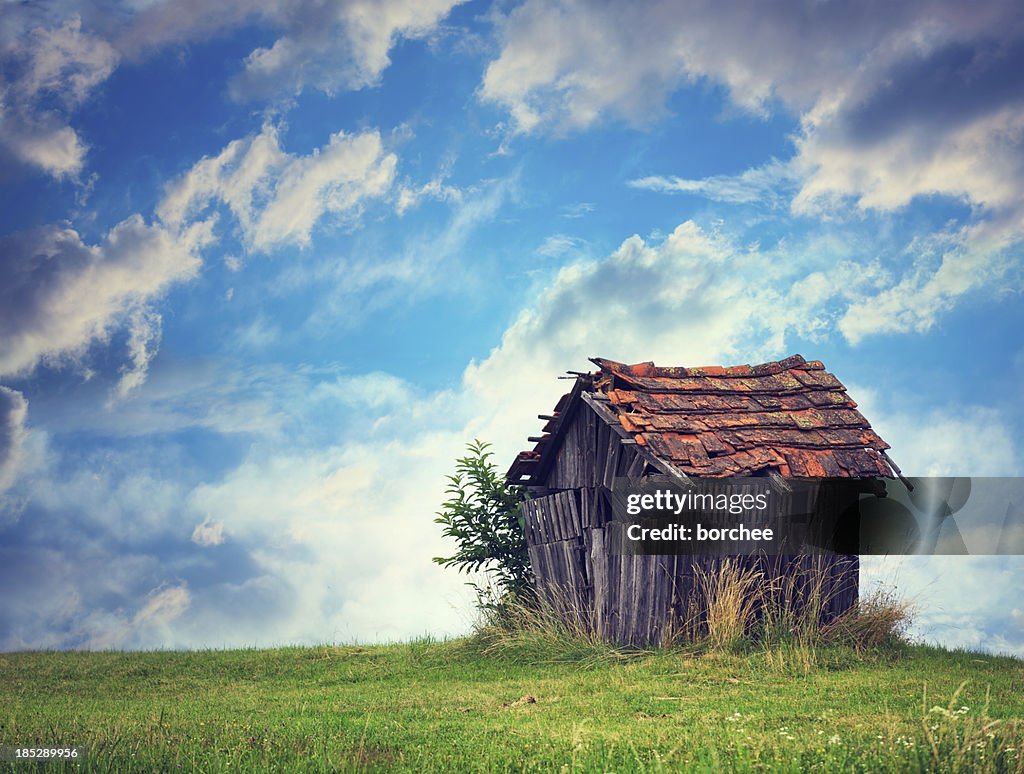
x: 587, y: 546
x: 648, y: 599
x: 546, y: 564
x: 528, y: 533
x: 599, y: 577
x: 574, y: 551
x: 550, y: 520
x: 572, y: 453
x: 619, y: 610
x: 575, y: 497
x: 587, y: 431
x: 535, y: 562
x: 652, y: 599
x: 571, y: 578
x: 611, y: 592
x: 637, y: 622
x: 636, y: 608
x: 538, y: 520
x: 568, y: 523
x: 666, y: 568
x: 529, y: 520
x: 611, y: 463
x: 627, y: 606
x: 563, y: 530
x: 555, y: 561
x: 539, y: 568
x: 625, y: 457
x: 593, y: 516
x: 601, y: 453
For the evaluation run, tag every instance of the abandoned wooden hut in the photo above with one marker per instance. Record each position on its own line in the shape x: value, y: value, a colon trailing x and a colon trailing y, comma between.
x: 789, y: 419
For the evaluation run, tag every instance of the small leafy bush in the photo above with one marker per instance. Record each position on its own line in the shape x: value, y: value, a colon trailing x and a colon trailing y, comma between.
x: 483, y: 515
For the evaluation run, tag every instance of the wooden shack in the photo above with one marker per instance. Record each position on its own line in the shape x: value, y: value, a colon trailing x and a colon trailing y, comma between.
x: 784, y: 420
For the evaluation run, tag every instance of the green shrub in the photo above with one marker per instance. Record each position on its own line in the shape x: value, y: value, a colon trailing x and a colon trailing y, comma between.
x: 482, y: 513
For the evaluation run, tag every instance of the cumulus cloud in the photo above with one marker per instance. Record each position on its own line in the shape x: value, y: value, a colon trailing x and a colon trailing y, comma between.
x: 47, y: 72
x: 278, y: 197
x: 694, y: 297
x: 895, y: 102
x: 571, y: 63
x: 308, y: 55
x: 58, y: 294
x: 51, y: 61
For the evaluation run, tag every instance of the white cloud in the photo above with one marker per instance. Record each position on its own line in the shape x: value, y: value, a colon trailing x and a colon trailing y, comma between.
x: 13, y: 409
x: 208, y: 533
x: 905, y: 101
x: 58, y: 294
x: 57, y: 68
x: 694, y: 298
x: 427, y: 261
x: 959, y: 601
x: 144, y: 331
x: 308, y: 54
x: 163, y: 605
x: 577, y: 210
x: 557, y: 245
x: 760, y: 184
x: 51, y: 61
x: 410, y: 196
x: 278, y: 197
x: 570, y: 63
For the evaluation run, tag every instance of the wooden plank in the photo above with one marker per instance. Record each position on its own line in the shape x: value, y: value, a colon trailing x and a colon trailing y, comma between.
x: 551, y: 517
x: 612, y: 462
x: 574, y: 497
x: 570, y: 521
x: 541, y: 521
x: 599, y: 578
x: 652, y: 601
x: 533, y: 552
x: 564, y: 529
x: 533, y: 535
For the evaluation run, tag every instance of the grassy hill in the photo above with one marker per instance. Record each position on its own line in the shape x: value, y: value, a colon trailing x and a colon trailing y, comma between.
x: 456, y: 706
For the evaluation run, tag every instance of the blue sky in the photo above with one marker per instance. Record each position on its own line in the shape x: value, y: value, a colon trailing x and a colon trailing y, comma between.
x: 267, y: 267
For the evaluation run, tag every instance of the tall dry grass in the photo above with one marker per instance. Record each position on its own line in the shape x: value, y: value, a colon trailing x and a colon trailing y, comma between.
x: 553, y: 625
x: 726, y: 604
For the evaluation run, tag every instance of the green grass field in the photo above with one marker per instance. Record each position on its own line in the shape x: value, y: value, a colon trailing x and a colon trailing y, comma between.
x: 450, y: 706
